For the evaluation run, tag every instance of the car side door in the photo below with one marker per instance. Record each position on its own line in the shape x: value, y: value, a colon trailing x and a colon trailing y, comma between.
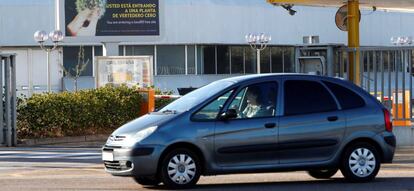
x: 312, y: 125
x: 250, y: 138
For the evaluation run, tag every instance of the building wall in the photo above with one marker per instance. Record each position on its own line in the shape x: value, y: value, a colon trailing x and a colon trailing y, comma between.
x: 186, y: 22
x: 32, y: 69
x: 20, y: 19
x: 214, y: 21
x: 178, y: 66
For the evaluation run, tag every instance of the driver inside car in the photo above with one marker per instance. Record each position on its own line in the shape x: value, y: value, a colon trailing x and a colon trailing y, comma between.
x: 256, y: 105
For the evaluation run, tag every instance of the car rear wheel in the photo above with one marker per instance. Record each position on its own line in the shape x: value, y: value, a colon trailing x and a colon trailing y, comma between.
x: 147, y: 181
x: 180, y: 169
x: 360, y: 163
x: 322, y: 174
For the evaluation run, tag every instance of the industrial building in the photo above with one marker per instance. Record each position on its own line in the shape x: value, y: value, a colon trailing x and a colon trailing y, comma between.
x: 189, y: 50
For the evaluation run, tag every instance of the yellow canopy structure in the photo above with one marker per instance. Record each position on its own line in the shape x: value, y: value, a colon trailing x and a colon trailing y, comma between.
x: 353, y: 22
x: 380, y: 4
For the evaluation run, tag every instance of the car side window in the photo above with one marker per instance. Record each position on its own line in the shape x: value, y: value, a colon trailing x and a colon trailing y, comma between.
x: 211, y: 110
x: 305, y: 97
x: 346, y: 97
x: 256, y: 101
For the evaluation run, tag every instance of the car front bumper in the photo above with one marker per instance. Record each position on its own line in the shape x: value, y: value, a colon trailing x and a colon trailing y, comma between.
x: 138, y: 161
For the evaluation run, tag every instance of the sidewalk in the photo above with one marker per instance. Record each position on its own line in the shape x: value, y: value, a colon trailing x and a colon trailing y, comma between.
x: 404, y: 155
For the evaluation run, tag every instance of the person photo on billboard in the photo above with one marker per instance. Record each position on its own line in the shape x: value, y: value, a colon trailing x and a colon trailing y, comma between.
x: 85, y: 22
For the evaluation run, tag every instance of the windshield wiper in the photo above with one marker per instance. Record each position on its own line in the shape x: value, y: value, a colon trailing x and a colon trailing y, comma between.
x: 170, y: 111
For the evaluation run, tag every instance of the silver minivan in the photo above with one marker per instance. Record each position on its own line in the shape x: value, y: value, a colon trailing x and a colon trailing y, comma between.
x: 253, y: 124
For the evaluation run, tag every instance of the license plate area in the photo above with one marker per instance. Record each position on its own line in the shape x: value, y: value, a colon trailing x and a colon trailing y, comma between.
x: 107, y: 156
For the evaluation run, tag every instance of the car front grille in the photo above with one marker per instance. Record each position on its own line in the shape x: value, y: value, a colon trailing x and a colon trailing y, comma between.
x: 113, y: 165
x: 118, y: 165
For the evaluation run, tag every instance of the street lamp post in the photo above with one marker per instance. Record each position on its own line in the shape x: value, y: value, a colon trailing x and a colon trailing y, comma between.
x: 258, y: 42
x: 56, y: 37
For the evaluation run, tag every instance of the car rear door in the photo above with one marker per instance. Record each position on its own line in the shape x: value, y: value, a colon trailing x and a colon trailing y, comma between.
x: 311, y: 127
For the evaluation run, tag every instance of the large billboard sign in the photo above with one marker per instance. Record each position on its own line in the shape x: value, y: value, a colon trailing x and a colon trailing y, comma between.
x: 112, y: 18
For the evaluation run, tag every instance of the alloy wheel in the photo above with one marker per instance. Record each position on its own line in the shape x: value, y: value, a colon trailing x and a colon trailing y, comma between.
x: 362, y: 162
x: 181, y: 169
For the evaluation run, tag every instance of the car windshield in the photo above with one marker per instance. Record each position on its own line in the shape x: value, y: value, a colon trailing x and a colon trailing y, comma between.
x: 196, y: 97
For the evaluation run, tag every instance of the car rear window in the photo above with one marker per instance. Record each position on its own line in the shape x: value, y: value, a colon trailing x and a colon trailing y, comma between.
x: 304, y: 97
x: 346, y: 97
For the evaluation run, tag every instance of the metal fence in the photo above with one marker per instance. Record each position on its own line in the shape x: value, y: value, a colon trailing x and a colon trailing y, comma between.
x: 387, y: 73
x: 8, y: 136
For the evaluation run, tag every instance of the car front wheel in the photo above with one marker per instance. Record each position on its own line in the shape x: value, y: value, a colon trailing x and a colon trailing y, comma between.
x: 360, y: 163
x: 180, y: 169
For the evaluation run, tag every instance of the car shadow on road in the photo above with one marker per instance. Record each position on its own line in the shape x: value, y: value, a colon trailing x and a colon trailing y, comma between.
x: 337, y: 184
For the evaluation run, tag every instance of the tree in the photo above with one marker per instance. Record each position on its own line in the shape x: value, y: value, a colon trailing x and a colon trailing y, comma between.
x: 80, y: 67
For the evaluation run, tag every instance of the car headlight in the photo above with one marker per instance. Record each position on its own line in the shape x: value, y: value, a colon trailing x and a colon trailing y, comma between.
x: 140, y: 135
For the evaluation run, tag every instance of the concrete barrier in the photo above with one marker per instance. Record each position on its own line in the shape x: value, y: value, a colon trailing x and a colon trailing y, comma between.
x: 59, y: 140
x: 405, y: 136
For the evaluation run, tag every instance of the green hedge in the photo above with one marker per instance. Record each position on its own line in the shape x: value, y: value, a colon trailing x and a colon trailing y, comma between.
x: 161, y: 102
x: 71, y: 114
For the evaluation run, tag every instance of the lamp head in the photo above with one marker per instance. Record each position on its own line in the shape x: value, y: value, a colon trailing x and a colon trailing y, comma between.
x: 250, y: 38
x: 40, y: 36
x: 56, y: 36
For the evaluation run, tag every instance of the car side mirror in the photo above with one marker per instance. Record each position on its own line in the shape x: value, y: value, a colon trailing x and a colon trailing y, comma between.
x: 229, y: 114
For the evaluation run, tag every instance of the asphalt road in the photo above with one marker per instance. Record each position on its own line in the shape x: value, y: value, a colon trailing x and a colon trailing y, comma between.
x: 78, y: 167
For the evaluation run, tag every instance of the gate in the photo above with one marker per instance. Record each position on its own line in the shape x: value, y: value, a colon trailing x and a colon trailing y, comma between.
x: 387, y: 74
x: 8, y: 136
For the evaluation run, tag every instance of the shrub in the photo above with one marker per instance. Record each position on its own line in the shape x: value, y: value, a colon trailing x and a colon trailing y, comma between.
x: 71, y: 114
x: 161, y: 102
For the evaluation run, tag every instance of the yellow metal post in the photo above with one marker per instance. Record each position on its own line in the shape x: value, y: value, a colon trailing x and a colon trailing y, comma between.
x: 353, y: 41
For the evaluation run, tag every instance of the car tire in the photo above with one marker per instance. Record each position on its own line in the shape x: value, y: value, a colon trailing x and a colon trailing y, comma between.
x: 180, y: 169
x: 360, y: 163
x: 147, y: 181
x: 323, y: 174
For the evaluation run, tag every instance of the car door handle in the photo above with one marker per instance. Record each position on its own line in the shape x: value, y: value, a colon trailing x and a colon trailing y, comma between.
x: 332, y: 118
x: 270, y: 125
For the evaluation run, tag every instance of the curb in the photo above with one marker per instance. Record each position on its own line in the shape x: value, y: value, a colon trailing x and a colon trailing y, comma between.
x: 58, y: 140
